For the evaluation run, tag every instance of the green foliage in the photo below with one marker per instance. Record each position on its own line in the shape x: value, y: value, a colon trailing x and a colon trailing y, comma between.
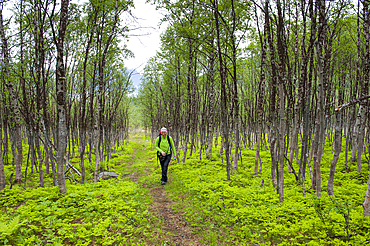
x: 247, y: 208
x: 111, y: 212
x: 241, y: 211
x: 9, y: 228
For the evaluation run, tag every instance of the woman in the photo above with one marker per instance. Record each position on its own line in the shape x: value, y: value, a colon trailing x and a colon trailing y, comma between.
x: 165, y: 147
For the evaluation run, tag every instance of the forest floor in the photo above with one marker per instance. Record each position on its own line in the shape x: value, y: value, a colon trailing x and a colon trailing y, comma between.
x: 198, y: 206
x: 175, y: 230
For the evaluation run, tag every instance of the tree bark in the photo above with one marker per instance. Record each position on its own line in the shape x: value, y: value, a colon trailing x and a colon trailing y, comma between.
x: 282, y: 79
x: 366, y: 204
x: 235, y: 80
x: 224, y: 117
x: 355, y: 134
x: 364, y: 91
x: 364, y: 86
x: 321, y: 97
x: 261, y: 90
x: 272, y: 109
x: 83, y: 123
x: 61, y: 97
x: 211, y: 106
x: 2, y: 172
x: 357, y: 126
x: 98, y: 128
x: 8, y: 82
x: 337, y: 146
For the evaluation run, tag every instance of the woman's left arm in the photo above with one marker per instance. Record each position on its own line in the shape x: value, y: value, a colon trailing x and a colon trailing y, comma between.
x: 173, y: 147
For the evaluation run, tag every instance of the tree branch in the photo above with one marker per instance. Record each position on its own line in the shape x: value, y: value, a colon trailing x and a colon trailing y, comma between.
x: 350, y: 103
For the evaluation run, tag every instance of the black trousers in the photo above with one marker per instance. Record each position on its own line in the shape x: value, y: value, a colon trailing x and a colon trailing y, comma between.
x: 164, y: 166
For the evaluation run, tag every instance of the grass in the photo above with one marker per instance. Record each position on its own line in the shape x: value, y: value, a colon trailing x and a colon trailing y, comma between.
x: 242, y: 211
x: 111, y: 212
x: 246, y: 209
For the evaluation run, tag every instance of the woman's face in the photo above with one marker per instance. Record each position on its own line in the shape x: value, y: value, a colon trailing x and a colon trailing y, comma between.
x: 164, y: 133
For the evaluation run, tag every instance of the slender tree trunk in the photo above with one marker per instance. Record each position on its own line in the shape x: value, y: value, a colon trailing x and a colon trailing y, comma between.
x: 235, y: 80
x: 337, y: 145
x: 185, y: 146
x: 364, y: 86
x: 321, y: 97
x: 211, y: 107
x: 91, y: 109
x: 224, y: 116
x: 31, y: 147
x: 16, y: 114
x: 48, y: 143
x: 355, y: 134
x: 83, y: 122
x: 307, y: 106
x: 302, y: 91
x: 272, y: 109
x: 281, y: 142
x: 61, y: 98
x: 40, y: 159
x: 302, y: 79
x: 39, y: 71
x: 273, y: 157
x: 261, y: 94
x: 366, y: 204
x: 2, y: 172
x: 282, y: 79
x: 97, y: 127
x: 46, y: 158
x: 5, y: 127
x: 364, y: 91
x: 100, y: 106
x: 361, y: 135
x: 356, y: 126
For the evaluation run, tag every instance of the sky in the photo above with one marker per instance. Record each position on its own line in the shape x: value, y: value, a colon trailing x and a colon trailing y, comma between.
x: 145, y: 41
x: 144, y: 38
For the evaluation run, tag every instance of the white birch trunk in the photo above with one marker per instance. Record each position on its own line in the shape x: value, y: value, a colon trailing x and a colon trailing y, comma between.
x: 2, y: 172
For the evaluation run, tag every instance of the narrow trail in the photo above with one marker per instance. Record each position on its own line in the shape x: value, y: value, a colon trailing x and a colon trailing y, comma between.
x: 175, y: 230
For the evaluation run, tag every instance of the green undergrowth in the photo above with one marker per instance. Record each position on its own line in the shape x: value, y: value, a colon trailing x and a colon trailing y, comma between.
x: 246, y: 209
x: 110, y: 212
x: 242, y: 211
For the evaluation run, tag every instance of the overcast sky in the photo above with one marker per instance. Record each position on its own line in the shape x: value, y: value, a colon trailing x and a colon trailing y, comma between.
x: 144, y: 42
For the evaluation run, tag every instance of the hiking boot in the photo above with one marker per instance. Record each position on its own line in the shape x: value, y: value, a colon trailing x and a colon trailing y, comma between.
x: 163, y: 183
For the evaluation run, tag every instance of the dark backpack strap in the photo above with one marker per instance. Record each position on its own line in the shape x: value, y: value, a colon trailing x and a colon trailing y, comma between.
x: 159, y: 145
x: 169, y: 141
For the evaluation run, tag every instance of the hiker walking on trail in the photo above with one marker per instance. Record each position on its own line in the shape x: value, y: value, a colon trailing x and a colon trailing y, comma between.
x: 165, y: 148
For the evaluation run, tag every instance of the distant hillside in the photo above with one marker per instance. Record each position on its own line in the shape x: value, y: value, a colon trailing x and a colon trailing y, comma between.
x: 136, y: 79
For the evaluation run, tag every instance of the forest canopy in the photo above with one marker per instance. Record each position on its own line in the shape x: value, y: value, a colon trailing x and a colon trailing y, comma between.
x: 287, y: 76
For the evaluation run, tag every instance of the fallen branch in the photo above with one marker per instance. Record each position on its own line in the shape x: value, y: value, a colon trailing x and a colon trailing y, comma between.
x: 69, y: 165
x: 290, y: 164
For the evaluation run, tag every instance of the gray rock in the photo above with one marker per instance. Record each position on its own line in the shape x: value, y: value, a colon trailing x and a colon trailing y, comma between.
x: 107, y: 175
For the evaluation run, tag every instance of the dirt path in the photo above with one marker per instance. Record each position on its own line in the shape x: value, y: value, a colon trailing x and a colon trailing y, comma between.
x: 175, y: 229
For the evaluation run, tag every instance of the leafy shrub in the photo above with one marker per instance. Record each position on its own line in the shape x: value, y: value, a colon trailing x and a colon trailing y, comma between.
x: 247, y: 208
x: 111, y: 212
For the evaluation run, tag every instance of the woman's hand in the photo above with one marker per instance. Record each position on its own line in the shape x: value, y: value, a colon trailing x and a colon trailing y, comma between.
x: 163, y: 153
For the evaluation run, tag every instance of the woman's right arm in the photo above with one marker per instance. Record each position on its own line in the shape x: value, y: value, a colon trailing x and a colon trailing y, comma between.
x: 156, y: 144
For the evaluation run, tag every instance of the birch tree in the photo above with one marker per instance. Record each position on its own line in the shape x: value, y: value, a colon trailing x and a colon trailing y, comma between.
x: 15, y: 107
x: 61, y: 97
